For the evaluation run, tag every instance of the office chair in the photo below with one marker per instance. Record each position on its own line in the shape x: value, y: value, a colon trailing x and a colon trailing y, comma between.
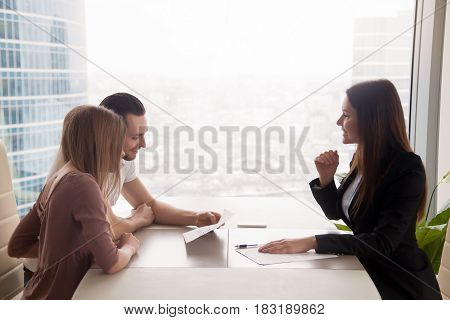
x: 11, y: 274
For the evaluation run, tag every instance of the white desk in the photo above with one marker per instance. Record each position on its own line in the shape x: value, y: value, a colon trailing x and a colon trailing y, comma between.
x: 280, y: 213
x: 261, y: 236
x: 166, y: 248
x: 209, y: 268
x: 226, y: 283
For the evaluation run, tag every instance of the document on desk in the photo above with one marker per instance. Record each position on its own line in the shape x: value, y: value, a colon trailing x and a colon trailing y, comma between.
x: 197, y: 233
x: 270, y: 258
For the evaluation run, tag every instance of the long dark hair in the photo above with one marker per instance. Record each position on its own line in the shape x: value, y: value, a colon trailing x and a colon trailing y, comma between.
x: 382, y: 131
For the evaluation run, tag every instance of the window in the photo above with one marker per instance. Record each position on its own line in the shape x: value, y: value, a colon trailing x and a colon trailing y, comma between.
x: 259, y: 83
x: 240, y: 65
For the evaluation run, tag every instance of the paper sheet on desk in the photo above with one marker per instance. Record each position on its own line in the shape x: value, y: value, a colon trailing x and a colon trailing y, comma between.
x: 197, y: 233
x: 268, y: 258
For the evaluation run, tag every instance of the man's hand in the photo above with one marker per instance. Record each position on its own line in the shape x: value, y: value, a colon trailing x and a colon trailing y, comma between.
x: 144, y: 215
x: 206, y: 218
x: 289, y: 246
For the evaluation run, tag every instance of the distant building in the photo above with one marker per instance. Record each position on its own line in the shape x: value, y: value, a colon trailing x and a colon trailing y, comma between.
x: 392, y: 62
x: 41, y: 80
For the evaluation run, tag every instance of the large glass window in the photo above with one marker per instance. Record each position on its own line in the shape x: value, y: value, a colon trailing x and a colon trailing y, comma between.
x: 240, y: 95
x: 222, y: 66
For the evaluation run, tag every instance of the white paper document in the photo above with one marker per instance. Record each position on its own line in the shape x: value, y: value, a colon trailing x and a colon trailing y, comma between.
x: 197, y: 233
x: 270, y: 258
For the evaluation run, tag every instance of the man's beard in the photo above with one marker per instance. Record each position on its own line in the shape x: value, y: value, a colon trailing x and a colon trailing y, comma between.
x: 128, y: 157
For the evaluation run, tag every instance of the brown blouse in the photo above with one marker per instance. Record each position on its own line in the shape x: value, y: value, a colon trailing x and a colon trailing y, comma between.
x: 72, y: 231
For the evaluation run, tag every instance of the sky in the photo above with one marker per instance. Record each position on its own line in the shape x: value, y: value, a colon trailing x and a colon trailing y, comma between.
x: 219, y: 38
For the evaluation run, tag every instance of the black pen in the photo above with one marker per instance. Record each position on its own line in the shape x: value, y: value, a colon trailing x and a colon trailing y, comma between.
x: 245, y: 246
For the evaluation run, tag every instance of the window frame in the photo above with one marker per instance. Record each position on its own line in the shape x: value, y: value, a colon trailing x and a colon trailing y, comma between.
x: 426, y: 87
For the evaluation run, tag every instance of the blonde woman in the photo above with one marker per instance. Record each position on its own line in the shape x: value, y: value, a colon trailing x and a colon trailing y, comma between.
x: 67, y: 228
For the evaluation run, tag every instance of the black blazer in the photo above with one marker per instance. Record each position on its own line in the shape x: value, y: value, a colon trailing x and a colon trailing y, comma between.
x: 384, y: 234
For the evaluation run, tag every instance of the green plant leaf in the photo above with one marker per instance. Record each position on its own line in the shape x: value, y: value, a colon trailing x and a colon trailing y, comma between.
x: 422, y: 223
x: 342, y: 227
x: 428, y: 234
x: 441, y: 218
x: 434, y: 253
x: 431, y: 240
x: 436, y: 261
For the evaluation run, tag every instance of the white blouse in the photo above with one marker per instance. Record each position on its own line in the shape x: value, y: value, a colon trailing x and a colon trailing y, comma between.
x: 349, y: 194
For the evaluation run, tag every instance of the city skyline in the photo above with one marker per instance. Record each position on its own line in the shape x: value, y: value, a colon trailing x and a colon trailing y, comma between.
x: 42, y: 79
x: 242, y: 70
x: 237, y: 97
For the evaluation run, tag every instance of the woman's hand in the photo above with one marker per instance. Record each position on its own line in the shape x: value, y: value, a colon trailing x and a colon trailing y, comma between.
x: 128, y: 240
x: 326, y: 164
x: 289, y: 245
x: 127, y: 248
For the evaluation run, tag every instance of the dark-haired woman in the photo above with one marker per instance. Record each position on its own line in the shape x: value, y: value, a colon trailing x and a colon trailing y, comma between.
x: 381, y: 198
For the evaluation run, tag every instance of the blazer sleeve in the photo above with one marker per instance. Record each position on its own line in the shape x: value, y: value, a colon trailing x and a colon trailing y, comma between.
x: 326, y: 197
x: 396, y: 214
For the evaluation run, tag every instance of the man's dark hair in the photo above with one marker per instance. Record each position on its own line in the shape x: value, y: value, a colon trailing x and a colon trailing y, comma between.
x: 123, y: 104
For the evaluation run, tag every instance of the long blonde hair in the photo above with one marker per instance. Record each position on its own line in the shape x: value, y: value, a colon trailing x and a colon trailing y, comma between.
x: 92, y: 140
